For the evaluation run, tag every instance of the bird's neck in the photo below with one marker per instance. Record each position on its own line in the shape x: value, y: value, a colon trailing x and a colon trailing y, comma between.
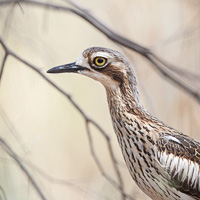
x: 126, y: 110
x: 124, y: 98
x: 131, y: 126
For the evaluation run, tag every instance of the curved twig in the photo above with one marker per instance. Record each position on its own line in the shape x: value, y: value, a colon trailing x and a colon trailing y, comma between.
x: 14, y: 156
x: 3, y: 65
x: 100, y: 167
x: 103, y: 133
x: 145, y: 52
x: 157, y: 62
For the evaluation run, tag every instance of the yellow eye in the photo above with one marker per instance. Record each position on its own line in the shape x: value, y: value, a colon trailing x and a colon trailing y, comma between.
x: 100, y: 61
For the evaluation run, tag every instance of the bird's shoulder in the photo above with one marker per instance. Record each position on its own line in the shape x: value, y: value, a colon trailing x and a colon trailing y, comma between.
x: 179, y: 145
x: 179, y: 156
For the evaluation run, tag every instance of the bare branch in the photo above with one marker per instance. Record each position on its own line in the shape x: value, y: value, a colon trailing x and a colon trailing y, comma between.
x: 120, y: 187
x: 3, y: 65
x: 103, y: 133
x: 47, y: 177
x: 163, y: 67
x: 55, y: 180
x: 4, y: 194
x: 145, y: 52
x: 166, y: 70
x: 11, y: 128
x: 13, y: 155
x: 169, y: 72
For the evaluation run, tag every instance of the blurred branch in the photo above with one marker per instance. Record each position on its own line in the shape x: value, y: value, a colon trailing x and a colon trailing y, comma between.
x: 13, y: 155
x: 103, y: 133
x: 49, y: 178
x: 160, y: 65
x: 3, y: 65
x: 163, y: 67
x: 176, y: 76
x: 9, y: 18
x: 3, y: 193
x: 55, y: 180
x: 168, y: 71
x: 182, y: 33
x: 11, y: 128
x: 101, y: 169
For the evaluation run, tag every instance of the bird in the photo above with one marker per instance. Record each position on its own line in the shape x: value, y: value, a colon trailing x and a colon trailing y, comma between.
x: 162, y: 161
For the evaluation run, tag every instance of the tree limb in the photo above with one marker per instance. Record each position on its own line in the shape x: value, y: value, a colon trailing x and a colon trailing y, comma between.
x: 145, y: 52
x: 103, y: 133
x: 14, y: 156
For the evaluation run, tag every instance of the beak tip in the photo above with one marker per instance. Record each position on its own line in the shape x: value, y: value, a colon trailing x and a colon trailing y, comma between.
x: 57, y: 69
x: 49, y: 71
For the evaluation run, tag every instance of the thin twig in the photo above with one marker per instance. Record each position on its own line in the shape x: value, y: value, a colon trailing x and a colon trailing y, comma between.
x: 56, y: 180
x: 11, y: 128
x: 104, y: 134
x: 4, y: 194
x: 145, y: 52
x: 172, y: 77
x: 158, y: 63
x: 3, y: 65
x: 48, y: 177
x: 13, y: 155
x: 100, y: 167
x: 9, y: 52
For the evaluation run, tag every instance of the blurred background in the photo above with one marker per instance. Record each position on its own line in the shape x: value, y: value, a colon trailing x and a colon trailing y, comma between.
x: 44, y: 128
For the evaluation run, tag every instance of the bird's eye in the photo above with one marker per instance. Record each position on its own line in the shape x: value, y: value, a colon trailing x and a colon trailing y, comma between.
x: 100, y: 61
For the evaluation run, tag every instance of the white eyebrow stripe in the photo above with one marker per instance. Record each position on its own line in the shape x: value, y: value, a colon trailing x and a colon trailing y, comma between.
x: 101, y: 54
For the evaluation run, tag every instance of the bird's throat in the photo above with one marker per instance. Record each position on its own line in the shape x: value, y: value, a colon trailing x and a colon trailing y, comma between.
x: 124, y: 99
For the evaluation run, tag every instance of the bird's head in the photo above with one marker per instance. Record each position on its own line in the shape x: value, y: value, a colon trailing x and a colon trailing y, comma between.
x: 107, y: 66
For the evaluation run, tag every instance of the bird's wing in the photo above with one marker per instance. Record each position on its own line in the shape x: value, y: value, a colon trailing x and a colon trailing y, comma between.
x: 179, y: 156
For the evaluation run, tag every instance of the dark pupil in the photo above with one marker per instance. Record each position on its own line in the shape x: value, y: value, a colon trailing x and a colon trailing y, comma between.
x: 100, y: 60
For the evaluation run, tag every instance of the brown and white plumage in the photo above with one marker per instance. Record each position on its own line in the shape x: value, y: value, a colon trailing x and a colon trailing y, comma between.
x: 162, y: 161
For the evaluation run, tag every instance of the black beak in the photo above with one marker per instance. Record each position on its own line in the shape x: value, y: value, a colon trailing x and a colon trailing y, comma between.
x: 71, y: 67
